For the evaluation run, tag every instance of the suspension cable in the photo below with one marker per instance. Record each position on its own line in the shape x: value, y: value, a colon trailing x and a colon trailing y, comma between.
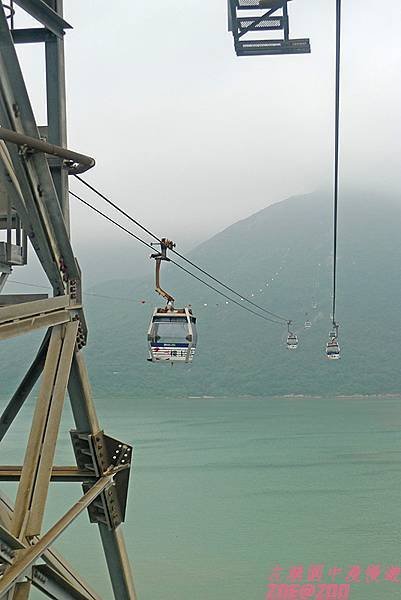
x: 227, y: 287
x: 178, y: 265
x: 194, y: 265
x: 47, y: 287
x: 336, y: 154
x: 88, y: 185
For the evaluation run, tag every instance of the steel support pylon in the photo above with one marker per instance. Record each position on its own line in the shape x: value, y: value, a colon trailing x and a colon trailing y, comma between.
x: 35, y: 186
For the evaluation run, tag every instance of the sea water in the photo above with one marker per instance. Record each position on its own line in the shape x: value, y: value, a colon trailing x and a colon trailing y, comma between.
x: 227, y: 492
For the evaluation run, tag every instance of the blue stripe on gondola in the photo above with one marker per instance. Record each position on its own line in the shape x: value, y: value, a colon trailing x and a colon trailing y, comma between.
x: 169, y: 345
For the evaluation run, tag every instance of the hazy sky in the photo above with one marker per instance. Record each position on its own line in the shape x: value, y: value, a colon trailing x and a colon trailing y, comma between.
x: 189, y: 138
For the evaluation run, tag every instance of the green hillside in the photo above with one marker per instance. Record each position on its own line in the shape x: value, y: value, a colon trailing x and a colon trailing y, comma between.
x: 289, y: 247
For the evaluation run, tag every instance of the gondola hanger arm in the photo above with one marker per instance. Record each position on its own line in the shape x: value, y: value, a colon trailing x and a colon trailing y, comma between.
x: 165, y: 245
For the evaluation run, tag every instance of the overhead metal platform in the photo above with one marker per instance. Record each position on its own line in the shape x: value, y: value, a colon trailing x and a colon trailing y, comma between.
x: 249, y: 20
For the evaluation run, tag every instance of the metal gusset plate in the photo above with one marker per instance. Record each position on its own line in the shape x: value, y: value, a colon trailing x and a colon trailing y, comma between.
x: 99, y: 454
x: 8, y: 545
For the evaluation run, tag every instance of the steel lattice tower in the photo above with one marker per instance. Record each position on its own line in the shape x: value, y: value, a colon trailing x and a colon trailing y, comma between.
x: 34, y: 169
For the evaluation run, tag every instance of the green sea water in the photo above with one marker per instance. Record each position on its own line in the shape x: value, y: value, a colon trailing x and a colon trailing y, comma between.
x: 224, y: 489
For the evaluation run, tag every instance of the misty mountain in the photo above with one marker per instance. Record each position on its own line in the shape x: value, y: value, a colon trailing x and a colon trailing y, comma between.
x: 280, y: 258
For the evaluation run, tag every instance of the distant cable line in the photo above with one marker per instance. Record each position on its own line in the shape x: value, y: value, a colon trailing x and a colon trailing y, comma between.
x: 336, y: 154
x: 34, y: 285
x: 227, y: 287
x: 224, y: 295
x: 153, y: 235
x: 99, y: 212
x: 46, y: 287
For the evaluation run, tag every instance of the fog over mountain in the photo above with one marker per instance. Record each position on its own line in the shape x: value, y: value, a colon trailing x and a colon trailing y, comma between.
x: 188, y: 137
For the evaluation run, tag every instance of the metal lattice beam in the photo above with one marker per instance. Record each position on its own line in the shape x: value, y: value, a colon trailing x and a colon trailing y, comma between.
x: 45, y: 15
x: 56, y: 566
x: 29, y: 556
x: 24, y: 389
x: 36, y: 188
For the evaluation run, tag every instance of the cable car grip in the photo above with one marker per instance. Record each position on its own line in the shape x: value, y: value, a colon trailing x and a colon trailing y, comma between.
x: 165, y: 245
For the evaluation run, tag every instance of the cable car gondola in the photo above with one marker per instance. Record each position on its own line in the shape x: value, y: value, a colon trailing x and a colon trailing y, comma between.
x: 332, y: 347
x: 172, y: 334
x: 292, y: 339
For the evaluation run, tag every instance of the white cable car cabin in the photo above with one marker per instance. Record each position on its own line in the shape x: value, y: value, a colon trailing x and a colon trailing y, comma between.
x: 333, y: 350
x: 172, y: 334
x: 292, y: 341
x: 292, y: 338
x: 332, y: 346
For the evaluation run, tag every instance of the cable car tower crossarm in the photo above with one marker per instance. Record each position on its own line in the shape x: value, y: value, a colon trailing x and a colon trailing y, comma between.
x: 34, y: 204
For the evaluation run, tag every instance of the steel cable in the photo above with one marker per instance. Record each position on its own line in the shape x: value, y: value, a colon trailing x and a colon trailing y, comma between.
x: 336, y: 154
x: 173, y: 261
x: 194, y: 265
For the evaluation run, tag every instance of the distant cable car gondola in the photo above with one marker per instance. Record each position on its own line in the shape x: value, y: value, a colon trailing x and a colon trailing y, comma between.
x: 292, y: 338
x: 172, y: 334
x: 332, y: 347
